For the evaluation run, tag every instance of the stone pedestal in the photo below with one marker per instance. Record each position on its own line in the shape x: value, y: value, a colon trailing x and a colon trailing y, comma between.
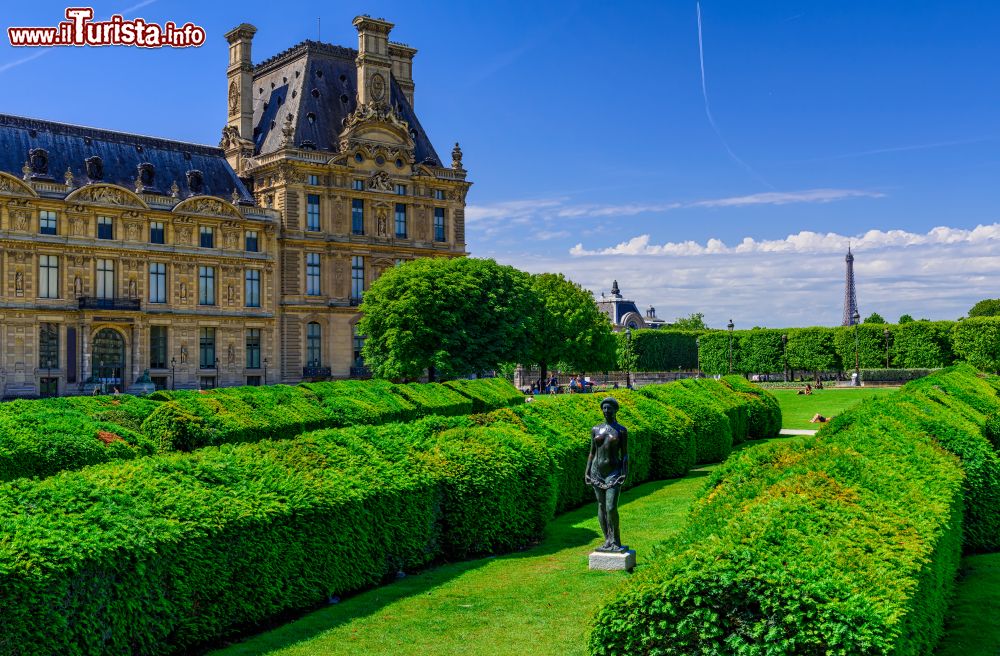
x: 604, y: 561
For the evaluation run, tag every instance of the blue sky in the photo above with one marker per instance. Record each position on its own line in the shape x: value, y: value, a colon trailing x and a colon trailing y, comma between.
x: 585, y: 130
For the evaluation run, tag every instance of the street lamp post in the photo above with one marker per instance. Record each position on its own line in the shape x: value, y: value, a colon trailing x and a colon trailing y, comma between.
x: 628, y: 358
x: 265, y: 371
x: 697, y: 355
x: 885, y: 333
x: 173, y: 363
x: 784, y: 357
x: 857, y: 360
x: 730, y: 327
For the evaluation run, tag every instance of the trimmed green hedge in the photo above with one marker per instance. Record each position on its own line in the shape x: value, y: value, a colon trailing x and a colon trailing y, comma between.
x: 42, y: 437
x: 764, y: 410
x: 487, y: 393
x: 663, y: 349
x: 735, y: 406
x: 434, y: 398
x: 164, y: 553
x: 235, y: 414
x: 843, y: 543
x: 713, y: 434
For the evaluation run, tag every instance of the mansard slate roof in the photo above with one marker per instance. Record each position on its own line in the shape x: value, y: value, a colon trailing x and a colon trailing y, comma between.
x: 617, y: 308
x: 121, y: 153
x: 316, y: 83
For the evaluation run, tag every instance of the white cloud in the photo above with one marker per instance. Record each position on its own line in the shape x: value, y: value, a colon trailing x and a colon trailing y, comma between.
x: 795, y: 281
x: 802, y: 242
x: 524, y: 211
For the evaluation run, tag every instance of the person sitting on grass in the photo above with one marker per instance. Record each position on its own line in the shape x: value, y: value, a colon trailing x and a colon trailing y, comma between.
x: 818, y: 419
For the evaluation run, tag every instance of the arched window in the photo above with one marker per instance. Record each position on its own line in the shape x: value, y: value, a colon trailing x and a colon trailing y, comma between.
x: 314, y: 344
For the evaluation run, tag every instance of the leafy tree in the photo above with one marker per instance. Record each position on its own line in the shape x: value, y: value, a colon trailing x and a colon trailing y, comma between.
x: 664, y: 349
x: 714, y: 350
x: 922, y: 345
x: 448, y: 317
x: 568, y: 326
x: 874, y: 317
x: 977, y: 341
x: 906, y: 318
x: 812, y: 349
x: 988, y: 307
x: 871, y: 346
x: 696, y: 321
x: 759, y: 351
x: 627, y: 357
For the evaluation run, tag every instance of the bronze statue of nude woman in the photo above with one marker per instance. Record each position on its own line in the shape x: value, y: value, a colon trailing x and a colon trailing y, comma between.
x: 607, y: 468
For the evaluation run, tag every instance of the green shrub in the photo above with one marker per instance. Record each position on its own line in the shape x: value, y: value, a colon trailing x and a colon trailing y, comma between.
x: 977, y: 342
x: 664, y: 350
x: 991, y: 430
x: 713, y: 435
x: 488, y: 393
x: 870, y: 340
x: 497, y: 489
x: 760, y: 351
x: 434, y: 398
x: 38, y: 438
x: 894, y: 375
x: 735, y: 406
x: 764, y: 410
x: 922, y: 345
x: 162, y: 553
x: 235, y: 414
x: 350, y: 402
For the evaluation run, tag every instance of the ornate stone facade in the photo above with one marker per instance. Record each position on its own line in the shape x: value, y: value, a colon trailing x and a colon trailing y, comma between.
x: 216, y: 266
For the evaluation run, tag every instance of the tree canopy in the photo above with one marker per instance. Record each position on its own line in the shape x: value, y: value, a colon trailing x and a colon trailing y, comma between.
x: 453, y: 317
x: 988, y: 307
x: 696, y: 321
x: 906, y: 318
x: 450, y: 317
x: 568, y: 327
x: 874, y: 317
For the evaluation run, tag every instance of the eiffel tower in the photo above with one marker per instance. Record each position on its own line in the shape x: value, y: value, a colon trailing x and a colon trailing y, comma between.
x: 850, y: 297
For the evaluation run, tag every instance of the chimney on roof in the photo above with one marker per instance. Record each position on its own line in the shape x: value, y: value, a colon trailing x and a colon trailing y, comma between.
x: 374, y: 63
x: 402, y: 68
x: 240, y: 75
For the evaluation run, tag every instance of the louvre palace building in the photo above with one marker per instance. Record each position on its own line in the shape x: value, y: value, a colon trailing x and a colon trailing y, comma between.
x: 241, y: 264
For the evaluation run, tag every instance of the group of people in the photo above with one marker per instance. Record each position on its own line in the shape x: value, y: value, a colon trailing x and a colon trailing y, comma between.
x: 577, y: 384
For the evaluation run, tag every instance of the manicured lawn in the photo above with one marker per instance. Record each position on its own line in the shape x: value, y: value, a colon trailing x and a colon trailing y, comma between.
x: 798, y: 409
x: 537, y: 602
x: 973, y: 627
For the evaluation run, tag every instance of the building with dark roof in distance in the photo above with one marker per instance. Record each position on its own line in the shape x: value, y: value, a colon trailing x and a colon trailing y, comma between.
x: 237, y: 264
x: 623, y: 313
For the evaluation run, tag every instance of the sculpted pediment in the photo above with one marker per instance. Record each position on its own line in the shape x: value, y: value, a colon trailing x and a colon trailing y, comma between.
x: 11, y: 185
x: 107, y: 194
x: 209, y: 205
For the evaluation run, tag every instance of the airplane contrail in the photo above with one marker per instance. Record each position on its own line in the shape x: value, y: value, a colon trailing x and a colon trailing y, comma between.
x: 708, y: 110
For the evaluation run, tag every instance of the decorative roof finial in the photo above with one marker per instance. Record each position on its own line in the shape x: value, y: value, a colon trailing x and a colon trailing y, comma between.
x: 614, y: 289
x: 236, y: 196
x: 68, y: 177
x: 26, y: 169
x: 175, y: 191
x: 456, y: 157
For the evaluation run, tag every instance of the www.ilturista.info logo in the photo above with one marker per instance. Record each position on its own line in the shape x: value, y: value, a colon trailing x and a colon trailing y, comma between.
x: 80, y: 29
